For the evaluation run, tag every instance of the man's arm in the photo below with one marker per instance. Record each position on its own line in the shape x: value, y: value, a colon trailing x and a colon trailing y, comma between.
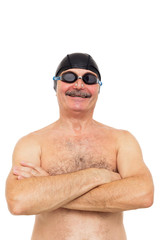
x: 134, y: 190
x: 34, y: 195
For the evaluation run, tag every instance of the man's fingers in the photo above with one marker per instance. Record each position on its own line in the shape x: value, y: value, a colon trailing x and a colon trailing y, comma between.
x: 37, y: 168
x: 25, y: 171
x: 29, y: 168
x: 22, y: 174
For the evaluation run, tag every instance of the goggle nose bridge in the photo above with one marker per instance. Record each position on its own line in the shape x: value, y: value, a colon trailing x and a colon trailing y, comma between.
x: 79, y: 77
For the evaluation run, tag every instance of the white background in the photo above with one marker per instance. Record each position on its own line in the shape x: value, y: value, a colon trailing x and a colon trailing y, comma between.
x: 124, y: 39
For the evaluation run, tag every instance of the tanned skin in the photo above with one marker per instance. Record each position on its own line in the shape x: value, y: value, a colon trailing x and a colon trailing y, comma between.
x: 78, y: 175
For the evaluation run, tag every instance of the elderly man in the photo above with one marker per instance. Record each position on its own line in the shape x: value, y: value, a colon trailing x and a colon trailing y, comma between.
x: 78, y: 175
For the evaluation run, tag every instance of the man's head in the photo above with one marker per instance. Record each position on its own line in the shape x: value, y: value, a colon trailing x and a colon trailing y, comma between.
x: 79, y: 88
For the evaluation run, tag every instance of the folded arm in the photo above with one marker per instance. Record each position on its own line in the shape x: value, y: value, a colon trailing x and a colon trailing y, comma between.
x: 134, y: 189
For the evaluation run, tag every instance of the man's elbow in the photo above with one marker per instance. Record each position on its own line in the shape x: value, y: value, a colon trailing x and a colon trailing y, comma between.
x: 15, y: 210
x: 148, y: 198
x: 15, y: 205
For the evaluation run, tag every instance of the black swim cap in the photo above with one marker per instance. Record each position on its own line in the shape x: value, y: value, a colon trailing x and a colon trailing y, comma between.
x: 77, y: 60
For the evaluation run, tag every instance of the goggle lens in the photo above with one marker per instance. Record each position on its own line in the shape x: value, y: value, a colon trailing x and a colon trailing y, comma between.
x: 89, y: 78
x: 70, y: 77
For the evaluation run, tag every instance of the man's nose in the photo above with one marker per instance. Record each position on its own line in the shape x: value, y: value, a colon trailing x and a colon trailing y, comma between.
x: 79, y: 84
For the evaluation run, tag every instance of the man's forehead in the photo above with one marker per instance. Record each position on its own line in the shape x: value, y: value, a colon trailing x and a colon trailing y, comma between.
x: 79, y: 71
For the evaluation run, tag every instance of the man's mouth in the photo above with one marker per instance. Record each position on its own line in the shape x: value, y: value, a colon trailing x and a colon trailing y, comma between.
x: 78, y: 94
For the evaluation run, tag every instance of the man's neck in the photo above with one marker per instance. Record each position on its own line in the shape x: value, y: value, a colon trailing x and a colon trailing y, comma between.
x: 76, y: 123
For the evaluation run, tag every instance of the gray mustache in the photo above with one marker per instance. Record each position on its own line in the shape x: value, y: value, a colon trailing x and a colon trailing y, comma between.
x: 75, y: 93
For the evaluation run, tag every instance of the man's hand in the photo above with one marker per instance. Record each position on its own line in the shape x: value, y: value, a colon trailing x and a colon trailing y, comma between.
x: 27, y: 170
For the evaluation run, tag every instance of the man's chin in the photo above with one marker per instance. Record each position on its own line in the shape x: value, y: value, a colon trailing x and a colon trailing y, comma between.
x: 77, y: 108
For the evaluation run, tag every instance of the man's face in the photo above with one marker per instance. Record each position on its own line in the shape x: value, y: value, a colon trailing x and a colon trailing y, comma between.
x: 69, y: 94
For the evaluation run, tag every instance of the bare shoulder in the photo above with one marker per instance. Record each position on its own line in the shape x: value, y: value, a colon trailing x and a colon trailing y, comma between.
x: 120, y: 134
x: 28, y: 147
x: 125, y: 137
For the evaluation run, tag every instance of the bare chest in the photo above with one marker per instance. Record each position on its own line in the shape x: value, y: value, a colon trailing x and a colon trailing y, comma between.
x: 68, y: 154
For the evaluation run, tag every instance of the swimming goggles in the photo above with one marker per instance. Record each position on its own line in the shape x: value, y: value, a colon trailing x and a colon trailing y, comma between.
x: 70, y: 77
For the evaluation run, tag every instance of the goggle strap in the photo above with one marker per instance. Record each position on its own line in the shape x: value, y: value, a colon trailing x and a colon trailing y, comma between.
x: 100, y: 83
x: 56, y: 78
